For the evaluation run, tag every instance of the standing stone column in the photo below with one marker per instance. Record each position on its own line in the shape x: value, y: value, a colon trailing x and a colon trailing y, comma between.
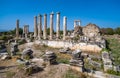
x: 39, y: 26
x: 26, y: 30
x: 35, y: 27
x: 45, y: 27
x: 58, y: 25
x: 51, y: 26
x: 79, y: 23
x: 17, y: 29
x: 64, y: 27
x: 23, y: 35
x: 74, y: 24
x: 23, y: 29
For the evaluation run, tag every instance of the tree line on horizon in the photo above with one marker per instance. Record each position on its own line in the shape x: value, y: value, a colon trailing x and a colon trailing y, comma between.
x: 110, y: 31
x: 104, y: 31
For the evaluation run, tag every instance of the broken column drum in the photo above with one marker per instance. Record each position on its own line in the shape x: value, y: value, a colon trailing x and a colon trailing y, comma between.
x: 50, y: 57
x: 27, y: 54
x: 77, y: 59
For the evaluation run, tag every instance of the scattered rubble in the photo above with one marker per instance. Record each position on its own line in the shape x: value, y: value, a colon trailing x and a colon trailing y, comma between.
x: 13, y: 49
x: 107, y: 61
x: 27, y: 54
x: 50, y: 57
x: 77, y: 60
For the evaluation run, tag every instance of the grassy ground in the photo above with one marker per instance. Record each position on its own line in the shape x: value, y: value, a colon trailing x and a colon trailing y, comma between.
x: 75, y: 74
x: 114, y: 46
x: 61, y: 58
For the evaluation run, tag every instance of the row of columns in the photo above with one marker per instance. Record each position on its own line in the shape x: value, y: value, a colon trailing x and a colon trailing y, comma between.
x: 38, y: 29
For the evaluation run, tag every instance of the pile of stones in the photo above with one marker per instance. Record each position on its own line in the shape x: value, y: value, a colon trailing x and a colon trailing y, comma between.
x: 50, y: 57
x: 27, y: 54
x: 77, y: 60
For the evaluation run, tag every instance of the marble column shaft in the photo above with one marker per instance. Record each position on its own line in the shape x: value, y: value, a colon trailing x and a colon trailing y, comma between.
x: 75, y: 24
x: 45, y: 27
x: 35, y: 27
x: 58, y: 25
x: 17, y: 29
x: 39, y: 26
x: 64, y: 27
x: 26, y: 30
x: 51, y: 25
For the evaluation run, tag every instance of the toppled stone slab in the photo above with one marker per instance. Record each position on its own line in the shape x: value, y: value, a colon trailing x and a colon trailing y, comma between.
x: 6, y: 56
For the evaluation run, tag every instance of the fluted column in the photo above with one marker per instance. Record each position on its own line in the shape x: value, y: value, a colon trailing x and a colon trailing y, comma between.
x: 64, y: 27
x: 35, y: 27
x: 39, y: 26
x: 51, y: 26
x: 58, y: 25
x: 45, y: 27
x: 17, y: 29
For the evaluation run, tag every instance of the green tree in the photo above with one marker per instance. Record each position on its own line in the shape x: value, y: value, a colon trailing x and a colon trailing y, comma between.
x: 107, y: 31
x: 117, y: 30
x: 110, y: 31
x: 13, y: 32
x: 48, y: 31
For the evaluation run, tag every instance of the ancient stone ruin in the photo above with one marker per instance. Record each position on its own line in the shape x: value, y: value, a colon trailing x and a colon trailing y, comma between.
x: 14, y: 48
x: 107, y: 62
x: 86, y: 38
x: 50, y: 57
x: 77, y: 60
x: 27, y: 54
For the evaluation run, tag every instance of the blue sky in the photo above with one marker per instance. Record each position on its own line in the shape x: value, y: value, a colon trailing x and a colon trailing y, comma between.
x: 104, y: 13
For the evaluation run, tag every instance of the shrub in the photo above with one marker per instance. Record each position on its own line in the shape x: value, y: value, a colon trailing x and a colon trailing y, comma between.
x: 105, y: 49
x: 113, y: 72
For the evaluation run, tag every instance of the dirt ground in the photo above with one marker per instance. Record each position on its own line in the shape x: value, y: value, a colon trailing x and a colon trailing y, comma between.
x: 9, y: 68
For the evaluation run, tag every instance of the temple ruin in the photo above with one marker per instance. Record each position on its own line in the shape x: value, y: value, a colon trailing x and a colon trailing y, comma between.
x: 86, y: 38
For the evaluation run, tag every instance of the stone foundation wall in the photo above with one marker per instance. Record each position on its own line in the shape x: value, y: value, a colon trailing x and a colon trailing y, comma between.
x: 61, y: 44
